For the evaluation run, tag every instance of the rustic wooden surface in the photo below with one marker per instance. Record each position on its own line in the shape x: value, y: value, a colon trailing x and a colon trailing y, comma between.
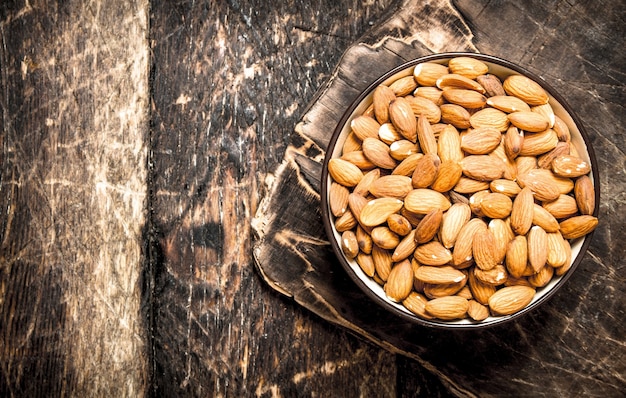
x: 145, y: 143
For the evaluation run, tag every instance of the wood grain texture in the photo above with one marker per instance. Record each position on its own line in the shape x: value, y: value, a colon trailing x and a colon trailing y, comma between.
x: 475, y: 363
x: 74, y: 102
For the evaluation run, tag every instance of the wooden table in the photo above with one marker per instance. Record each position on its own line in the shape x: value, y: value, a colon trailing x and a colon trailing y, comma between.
x: 145, y: 144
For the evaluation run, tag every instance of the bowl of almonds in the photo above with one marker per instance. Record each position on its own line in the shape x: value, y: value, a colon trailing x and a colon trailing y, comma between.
x: 459, y: 190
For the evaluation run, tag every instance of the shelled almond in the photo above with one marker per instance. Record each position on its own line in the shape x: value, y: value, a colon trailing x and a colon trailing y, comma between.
x: 460, y: 193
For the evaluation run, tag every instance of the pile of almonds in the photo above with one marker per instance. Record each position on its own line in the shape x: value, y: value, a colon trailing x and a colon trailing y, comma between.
x: 460, y: 193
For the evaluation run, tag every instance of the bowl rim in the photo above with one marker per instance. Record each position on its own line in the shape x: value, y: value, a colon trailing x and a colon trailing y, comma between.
x: 326, y: 216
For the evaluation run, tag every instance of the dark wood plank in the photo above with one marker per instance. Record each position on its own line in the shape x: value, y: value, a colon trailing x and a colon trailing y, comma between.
x: 567, y: 44
x: 74, y: 107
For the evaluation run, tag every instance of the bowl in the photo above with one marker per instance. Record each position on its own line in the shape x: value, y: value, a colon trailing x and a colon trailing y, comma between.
x: 492, y: 299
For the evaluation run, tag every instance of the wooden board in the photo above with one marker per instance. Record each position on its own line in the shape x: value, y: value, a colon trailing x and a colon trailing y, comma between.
x: 543, y: 349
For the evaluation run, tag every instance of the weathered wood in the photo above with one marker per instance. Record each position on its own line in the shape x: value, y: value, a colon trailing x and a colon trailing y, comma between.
x: 545, y: 343
x: 74, y: 103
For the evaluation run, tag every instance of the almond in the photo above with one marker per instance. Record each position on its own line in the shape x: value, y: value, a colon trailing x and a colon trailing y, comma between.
x: 378, y: 153
x: 344, y: 172
x: 545, y: 161
x: 405, y: 248
x: 349, y: 244
x: 513, y: 142
x: 540, y: 183
x: 402, y: 117
x: 529, y: 121
x: 427, y: 73
x: 578, y: 226
x: 510, y: 299
x: 484, y: 249
x: 546, y: 111
x: 425, y: 171
x: 356, y: 203
x: 399, y: 282
x: 423, y: 201
x: 482, y: 167
x: 570, y: 166
x: 402, y: 149
x: 508, y: 103
x: 557, y: 253
x: 468, y: 67
x: 448, y: 174
x: 424, y: 106
x: 408, y: 165
x: 426, y: 136
x: 430, y: 93
x: 416, y: 303
x: 517, y: 256
x: 544, y: 219
x: 492, y: 85
x: 447, y: 308
x: 338, y: 199
x: 345, y: 222
x: 585, y: 195
x: 363, y: 187
x: 439, y: 275
x: 536, y: 144
x: 364, y: 127
x: 495, y: 276
x: 433, y: 291
x: 453, y: 220
x: 541, y: 278
x: 382, y: 262
x: 428, y: 226
x: 432, y: 253
x: 490, y: 118
x: 403, y: 86
x: 496, y: 205
x: 481, y: 291
x: 481, y: 141
x: 399, y: 224
x: 562, y: 207
x: 503, y: 234
x: 469, y: 99
x: 364, y: 240
x: 567, y: 248
x: 477, y: 311
x: 449, y: 145
x: 462, y: 250
x: 506, y: 187
x: 391, y: 186
x: 469, y: 185
x: 358, y: 159
x: 377, y: 211
x: 522, y: 211
x: 537, y: 248
x: 474, y: 202
x: 388, y: 133
x: 524, y: 164
x: 366, y: 263
x: 525, y: 89
x: 455, y: 115
x: 381, y: 98
x: 385, y: 238
x: 561, y: 129
x: 454, y: 80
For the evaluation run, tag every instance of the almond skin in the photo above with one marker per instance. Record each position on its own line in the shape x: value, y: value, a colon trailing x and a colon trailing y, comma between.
x: 468, y: 99
x: 425, y: 172
x: 439, y: 275
x: 482, y: 167
x: 402, y: 117
x: 522, y: 212
x: 432, y: 253
x: 585, y: 195
x: 448, y: 175
x: 492, y: 84
x: 570, y: 166
x: 391, y: 186
x: 529, y: 121
x: 508, y: 103
x: 428, y: 226
x: 364, y: 127
x: 525, y: 89
x: 381, y: 98
x: 416, y: 303
x: 468, y: 67
x: 510, y: 299
x: 378, y: 153
x: 484, y: 250
x: 423, y: 201
x: 454, y: 219
x: 447, y: 308
x: 338, y: 199
x: 427, y: 73
x: 490, y: 118
x: 496, y: 205
x: 481, y: 141
x: 517, y: 256
x: 537, y: 247
x: 578, y: 226
x: 455, y: 115
x: 344, y: 172
x: 376, y: 211
x: 399, y: 282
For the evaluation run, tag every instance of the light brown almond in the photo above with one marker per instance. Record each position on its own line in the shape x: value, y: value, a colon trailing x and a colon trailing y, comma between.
x: 545, y: 161
x: 399, y: 282
x: 385, y: 238
x: 427, y: 73
x: 405, y: 248
x: 424, y: 106
x: 536, y: 144
x: 578, y: 226
x: 484, y: 249
x: 449, y: 144
x: 376, y: 211
x: 402, y: 149
x: 480, y: 141
x: 557, y: 253
x: 364, y: 127
x: 431, y: 93
x: 416, y: 303
x: 510, y: 299
x: 382, y: 262
x: 477, y: 311
x: 388, y: 133
x: 570, y: 166
x: 408, y: 165
x: 362, y: 188
x: 432, y: 253
x: 496, y: 205
x: 455, y: 115
x: 562, y: 207
x: 568, y: 263
x: 490, y: 118
x: 399, y: 224
x: 561, y: 130
x: 344, y: 172
x: 462, y: 250
x: 454, y: 80
x: 468, y: 99
x: 428, y: 226
x: 426, y: 136
x: 537, y: 247
x: 366, y: 263
x: 524, y: 164
x: 356, y: 203
x: 513, y: 141
x: 423, y: 201
x: 433, y: 291
x: 391, y: 186
x: 358, y: 159
x: 349, y: 244
x: 495, y: 276
x: 528, y: 121
x: 474, y: 202
x: 425, y: 171
x: 378, y: 153
x: 469, y: 185
x: 482, y: 167
x: 402, y: 117
x: 448, y: 175
x: 381, y: 98
x: 503, y: 234
x: 453, y: 220
x: 338, y: 199
x: 540, y: 183
x: 492, y: 84
x: 544, y: 219
x: 541, y: 278
x: 585, y: 195
x: 526, y: 89
x: 508, y: 103
x: 517, y: 256
x: 345, y: 222
x: 403, y: 86
x: 447, y: 308
x: 364, y: 240
x: 522, y: 211
x: 506, y: 187
x: 439, y: 275
x: 468, y: 67
x: 481, y: 291
x: 546, y: 111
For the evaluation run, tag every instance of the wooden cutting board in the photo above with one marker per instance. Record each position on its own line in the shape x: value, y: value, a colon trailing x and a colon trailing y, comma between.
x: 291, y: 249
